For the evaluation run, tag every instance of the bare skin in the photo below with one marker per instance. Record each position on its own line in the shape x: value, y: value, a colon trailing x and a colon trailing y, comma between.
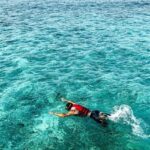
x: 70, y: 113
x: 74, y: 112
x: 62, y: 114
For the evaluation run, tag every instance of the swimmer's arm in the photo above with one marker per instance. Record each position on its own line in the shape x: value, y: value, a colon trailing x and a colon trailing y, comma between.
x: 62, y: 114
x: 68, y: 101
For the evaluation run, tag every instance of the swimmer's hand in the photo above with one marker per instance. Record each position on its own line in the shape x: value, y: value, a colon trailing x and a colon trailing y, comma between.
x: 63, y: 99
x: 51, y: 113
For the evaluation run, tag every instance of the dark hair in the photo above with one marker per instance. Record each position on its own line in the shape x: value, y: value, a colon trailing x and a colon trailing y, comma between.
x: 68, y: 106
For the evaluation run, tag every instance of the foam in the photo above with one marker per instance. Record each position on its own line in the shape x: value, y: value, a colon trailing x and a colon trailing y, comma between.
x: 21, y: 62
x: 48, y: 122
x: 124, y: 113
x: 43, y: 123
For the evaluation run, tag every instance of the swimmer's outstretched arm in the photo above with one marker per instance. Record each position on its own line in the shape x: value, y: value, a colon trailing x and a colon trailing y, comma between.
x: 68, y: 101
x: 62, y: 114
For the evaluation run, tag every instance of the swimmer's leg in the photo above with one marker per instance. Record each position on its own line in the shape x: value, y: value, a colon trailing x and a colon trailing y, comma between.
x: 95, y: 116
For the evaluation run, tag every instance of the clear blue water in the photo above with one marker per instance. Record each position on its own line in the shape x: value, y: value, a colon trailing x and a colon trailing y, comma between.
x: 96, y: 53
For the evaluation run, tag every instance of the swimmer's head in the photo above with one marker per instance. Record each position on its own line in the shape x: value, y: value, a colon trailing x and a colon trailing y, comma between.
x: 68, y: 106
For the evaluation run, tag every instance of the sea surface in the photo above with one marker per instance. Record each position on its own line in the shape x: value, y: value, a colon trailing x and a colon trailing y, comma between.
x: 94, y: 52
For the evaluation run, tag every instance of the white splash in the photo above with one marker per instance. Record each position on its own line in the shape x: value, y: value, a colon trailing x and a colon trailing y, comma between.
x: 21, y: 62
x: 44, y: 123
x: 124, y: 113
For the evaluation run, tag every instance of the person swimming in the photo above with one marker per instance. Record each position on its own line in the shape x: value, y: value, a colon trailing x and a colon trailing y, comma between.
x: 79, y: 110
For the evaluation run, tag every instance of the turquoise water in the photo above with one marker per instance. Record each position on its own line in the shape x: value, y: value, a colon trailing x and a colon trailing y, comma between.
x: 96, y: 53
